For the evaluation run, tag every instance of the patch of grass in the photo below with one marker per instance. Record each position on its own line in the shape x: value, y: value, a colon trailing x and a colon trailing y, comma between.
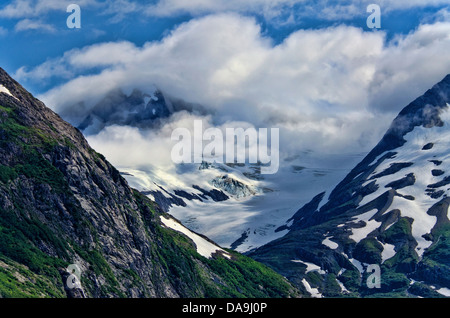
x: 423, y: 290
x: 17, y: 281
x: 351, y: 279
x: 400, y: 230
x: 18, y: 239
x: 440, y: 250
x: 7, y: 174
x: 368, y: 251
x: 39, y: 169
x: 248, y: 278
x: 331, y: 287
x: 30, y: 162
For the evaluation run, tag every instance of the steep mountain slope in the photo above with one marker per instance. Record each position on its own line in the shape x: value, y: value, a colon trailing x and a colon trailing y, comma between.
x: 64, y: 207
x: 390, y: 211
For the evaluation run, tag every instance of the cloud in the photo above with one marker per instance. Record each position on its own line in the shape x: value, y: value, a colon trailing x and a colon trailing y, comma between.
x: 119, y: 9
x: 268, y: 8
x: 323, y: 88
x: 46, y: 70
x: 32, y: 14
x: 442, y: 15
x: 276, y: 10
x: 409, y: 66
x: 143, y: 148
x: 28, y: 24
x: 219, y: 59
x: 407, y: 4
x: 19, y: 9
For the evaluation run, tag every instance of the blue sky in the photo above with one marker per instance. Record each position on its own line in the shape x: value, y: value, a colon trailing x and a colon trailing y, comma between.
x: 312, y: 68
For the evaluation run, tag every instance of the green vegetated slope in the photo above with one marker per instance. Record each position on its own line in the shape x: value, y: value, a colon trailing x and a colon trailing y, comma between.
x: 62, y: 203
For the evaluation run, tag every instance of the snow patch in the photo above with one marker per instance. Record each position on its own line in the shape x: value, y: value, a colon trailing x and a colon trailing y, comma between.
x: 370, y: 225
x: 444, y: 291
x: 310, y: 267
x: 313, y: 291
x: 204, y: 247
x: 357, y: 264
x: 343, y: 289
x: 3, y: 89
x: 388, y: 251
x: 330, y: 243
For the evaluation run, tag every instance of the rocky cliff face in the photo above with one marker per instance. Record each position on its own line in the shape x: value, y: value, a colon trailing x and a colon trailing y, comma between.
x: 391, y: 211
x: 64, y: 207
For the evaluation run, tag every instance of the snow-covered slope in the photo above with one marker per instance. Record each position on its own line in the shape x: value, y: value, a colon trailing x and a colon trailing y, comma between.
x: 204, y: 247
x: 391, y: 210
x: 421, y: 183
x: 3, y: 89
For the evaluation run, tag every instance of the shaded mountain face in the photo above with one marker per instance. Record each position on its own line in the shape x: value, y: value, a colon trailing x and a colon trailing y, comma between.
x: 390, y: 211
x: 116, y: 108
x: 65, y: 210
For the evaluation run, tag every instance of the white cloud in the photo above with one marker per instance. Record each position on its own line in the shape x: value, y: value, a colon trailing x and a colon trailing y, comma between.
x: 292, y: 9
x: 268, y: 8
x: 29, y: 24
x: 119, y: 9
x: 37, y: 8
x: 407, y: 4
x: 143, y: 148
x: 410, y: 65
x: 46, y: 70
x: 442, y: 15
x: 323, y: 87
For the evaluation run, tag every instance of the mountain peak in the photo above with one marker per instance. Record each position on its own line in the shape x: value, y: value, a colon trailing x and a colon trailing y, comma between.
x: 423, y: 111
x: 437, y: 96
x: 391, y: 211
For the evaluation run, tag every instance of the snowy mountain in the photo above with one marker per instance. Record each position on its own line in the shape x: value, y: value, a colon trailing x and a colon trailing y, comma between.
x: 390, y: 211
x: 233, y: 204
